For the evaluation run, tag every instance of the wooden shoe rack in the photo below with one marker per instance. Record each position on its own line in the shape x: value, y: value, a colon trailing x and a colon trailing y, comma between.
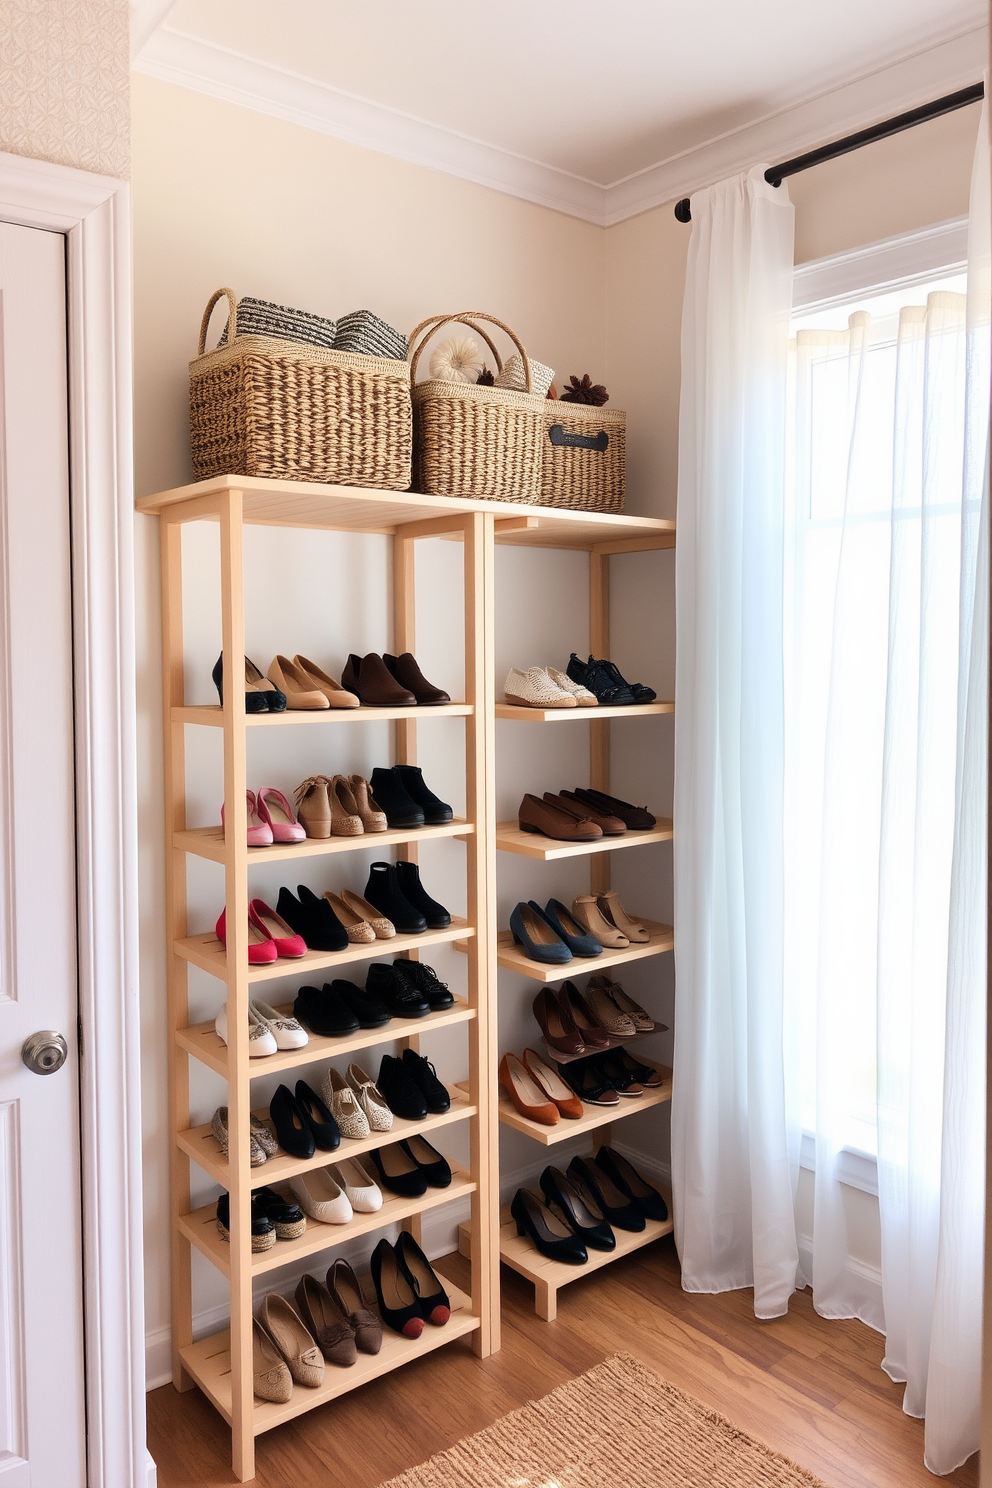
x: 221, y: 1365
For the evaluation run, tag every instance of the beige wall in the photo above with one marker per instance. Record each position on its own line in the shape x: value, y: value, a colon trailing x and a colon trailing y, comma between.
x: 223, y: 195
x: 64, y: 82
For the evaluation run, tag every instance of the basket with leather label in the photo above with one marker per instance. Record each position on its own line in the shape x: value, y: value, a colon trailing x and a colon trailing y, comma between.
x: 472, y: 439
x: 292, y: 410
x: 583, y: 457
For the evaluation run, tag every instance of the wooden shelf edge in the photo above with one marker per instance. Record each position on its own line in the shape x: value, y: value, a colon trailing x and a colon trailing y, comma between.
x: 200, y: 1227
x: 592, y: 1117
x: 208, y: 1362
x: 211, y: 715
x: 202, y: 1043
x: 590, y: 715
x: 509, y: 838
x: 208, y: 842
x: 518, y: 1253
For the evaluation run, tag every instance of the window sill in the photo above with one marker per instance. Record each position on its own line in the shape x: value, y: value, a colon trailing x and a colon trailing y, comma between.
x: 856, y: 1168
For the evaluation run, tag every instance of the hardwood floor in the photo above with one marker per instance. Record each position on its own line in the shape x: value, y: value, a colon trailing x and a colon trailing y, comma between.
x: 809, y: 1388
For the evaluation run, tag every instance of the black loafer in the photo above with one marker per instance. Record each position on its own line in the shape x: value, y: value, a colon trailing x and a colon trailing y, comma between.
x: 641, y: 694
x: 313, y: 918
x: 391, y: 793
x: 620, y: 1074
x: 424, y: 1076
x: 326, y: 1133
x: 325, y: 1011
x: 615, y: 1205
x: 587, y: 1079
x: 629, y: 1181
x: 433, y: 1166
x: 394, y: 987
x: 587, y: 1222
x: 427, y: 982
x: 413, y: 891
x: 548, y: 1234
x: 383, y: 890
x: 292, y: 1128
x: 398, y: 1090
x: 398, y: 1171
x: 412, y: 780
x: 370, y: 1011
x: 609, y: 693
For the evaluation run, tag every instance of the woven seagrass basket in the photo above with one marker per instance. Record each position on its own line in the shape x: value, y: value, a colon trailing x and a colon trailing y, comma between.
x: 288, y: 411
x: 471, y: 440
x: 583, y: 457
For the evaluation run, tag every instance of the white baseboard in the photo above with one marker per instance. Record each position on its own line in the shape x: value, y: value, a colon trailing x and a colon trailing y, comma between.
x: 151, y: 1477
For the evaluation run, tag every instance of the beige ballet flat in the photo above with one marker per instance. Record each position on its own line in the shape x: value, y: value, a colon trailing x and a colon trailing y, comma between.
x: 368, y: 808
x: 384, y: 929
x: 614, y: 911
x: 586, y: 910
x: 296, y: 685
x: 357, y: 928
x: 313, y: 806
x: 286, y: 1330
x: 270, y: 1376
x: 336, y: 695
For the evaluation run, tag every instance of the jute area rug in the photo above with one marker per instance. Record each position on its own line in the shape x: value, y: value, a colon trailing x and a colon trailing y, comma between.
x: 617, y: 1426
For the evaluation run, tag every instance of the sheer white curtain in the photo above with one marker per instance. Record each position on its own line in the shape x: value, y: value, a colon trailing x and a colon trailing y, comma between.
x: 733, y: 1169
x: 886, y: 748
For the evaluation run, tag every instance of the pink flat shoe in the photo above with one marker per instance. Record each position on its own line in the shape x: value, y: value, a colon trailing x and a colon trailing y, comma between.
x: 265, y: 920
x: 260, y: 832
x: 278, y: 815
x: 261, y: 946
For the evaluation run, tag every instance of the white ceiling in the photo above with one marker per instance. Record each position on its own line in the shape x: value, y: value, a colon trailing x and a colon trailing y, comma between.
x: 583, y: 94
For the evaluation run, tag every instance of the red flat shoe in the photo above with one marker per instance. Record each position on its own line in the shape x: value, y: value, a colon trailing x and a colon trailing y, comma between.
x: 261, y: 946
x: 264, y: 919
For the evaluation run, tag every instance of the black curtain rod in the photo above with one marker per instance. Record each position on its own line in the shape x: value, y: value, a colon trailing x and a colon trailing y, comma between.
x: 776, y: 174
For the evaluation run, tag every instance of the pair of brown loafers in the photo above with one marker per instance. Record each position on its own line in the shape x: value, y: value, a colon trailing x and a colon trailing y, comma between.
x: 337, y: 1315
x: 572, y: 816
x: 390, y: 682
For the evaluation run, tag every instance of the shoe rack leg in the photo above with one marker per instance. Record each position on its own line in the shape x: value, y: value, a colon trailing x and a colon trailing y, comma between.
x: 546, y: 1293
x: 175, y: 920
x: 405, y: 639
x: 236, y: 902
x: 599, y: 736
x: 480, y: 737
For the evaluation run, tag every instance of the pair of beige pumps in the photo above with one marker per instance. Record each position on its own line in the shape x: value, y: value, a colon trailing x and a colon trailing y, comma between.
x: 306, y: 686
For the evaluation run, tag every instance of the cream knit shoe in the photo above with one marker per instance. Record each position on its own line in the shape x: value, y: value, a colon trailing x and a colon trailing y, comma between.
x: 535, y: 689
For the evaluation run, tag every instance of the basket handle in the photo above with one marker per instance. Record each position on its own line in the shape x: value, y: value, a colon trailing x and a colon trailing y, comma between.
x: 232, y: 317
x: 467, y: 318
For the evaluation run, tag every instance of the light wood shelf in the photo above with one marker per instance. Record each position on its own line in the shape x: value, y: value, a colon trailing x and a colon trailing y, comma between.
x: 202, y: 1042
x: 199, y: 1143
x: 523, y: 714
x: 208, y: 842
x: 549, y: 1276
x: 509, y: 838
x: 592, y: 1117
x: 200, y: 1227
x: 212, y: 716
x: 209, y: 1364
x: 206, y: 952
x: 512, y: 958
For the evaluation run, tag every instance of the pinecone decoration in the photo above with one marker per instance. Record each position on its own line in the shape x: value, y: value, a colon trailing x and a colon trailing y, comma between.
x: 586, y: 391
x: 485, y: 378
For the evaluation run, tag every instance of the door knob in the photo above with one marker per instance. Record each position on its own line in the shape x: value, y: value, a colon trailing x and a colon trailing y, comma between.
x: 44, y: 1053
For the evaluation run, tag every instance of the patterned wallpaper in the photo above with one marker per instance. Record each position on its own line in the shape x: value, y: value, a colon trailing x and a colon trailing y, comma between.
x: 65, y: 82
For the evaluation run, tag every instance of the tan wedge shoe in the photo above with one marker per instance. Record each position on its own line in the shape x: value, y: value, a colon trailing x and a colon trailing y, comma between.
x: 293, y: 1340
x: 296, y: 685
x: 313, y: 807
x: 384, y: 929
x: 368, y: 808
x: 336, y: 695
x: 357, y: 928
x: 345, y: 820
x: 586, y: 910
x: 614, y: 911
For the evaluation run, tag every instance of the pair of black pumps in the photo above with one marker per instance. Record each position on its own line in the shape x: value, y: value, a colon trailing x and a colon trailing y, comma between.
x: 582, y: 1206
x: 407, y: 1288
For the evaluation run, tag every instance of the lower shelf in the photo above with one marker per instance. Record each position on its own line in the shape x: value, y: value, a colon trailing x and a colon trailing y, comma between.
x: 200, y: 1227
x: 209, y: 1364
x: 549, y: 1276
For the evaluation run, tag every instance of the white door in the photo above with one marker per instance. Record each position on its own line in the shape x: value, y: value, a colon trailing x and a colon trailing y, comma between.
x: 42, y: 1421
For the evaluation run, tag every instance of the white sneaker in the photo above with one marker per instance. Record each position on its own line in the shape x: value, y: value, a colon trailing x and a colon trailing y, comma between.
x: 364, y: 1195
x: 321, y: 1196
x: 582, y: 695
x: 287, y: 1033
x: 535, y: 689
x: 261, y: 1041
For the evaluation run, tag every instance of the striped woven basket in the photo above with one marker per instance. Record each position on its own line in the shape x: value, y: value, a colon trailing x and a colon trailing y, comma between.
x: 583, y: 457
x: 287, y: 411
x: 471, y: 440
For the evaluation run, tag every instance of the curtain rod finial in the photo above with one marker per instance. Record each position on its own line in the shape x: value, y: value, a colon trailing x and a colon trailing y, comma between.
x: 682, y: 212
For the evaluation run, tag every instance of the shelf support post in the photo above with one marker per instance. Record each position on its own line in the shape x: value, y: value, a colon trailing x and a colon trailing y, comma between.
x: 599, y: 735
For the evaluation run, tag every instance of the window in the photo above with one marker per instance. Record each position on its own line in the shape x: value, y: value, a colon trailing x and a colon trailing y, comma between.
x: 872, y: 571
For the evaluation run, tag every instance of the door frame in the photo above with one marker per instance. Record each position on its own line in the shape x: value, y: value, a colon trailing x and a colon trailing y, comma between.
x: 94, y: 214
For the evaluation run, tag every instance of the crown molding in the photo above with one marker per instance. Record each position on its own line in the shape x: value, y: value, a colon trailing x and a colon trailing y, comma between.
x: 186, y: 61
